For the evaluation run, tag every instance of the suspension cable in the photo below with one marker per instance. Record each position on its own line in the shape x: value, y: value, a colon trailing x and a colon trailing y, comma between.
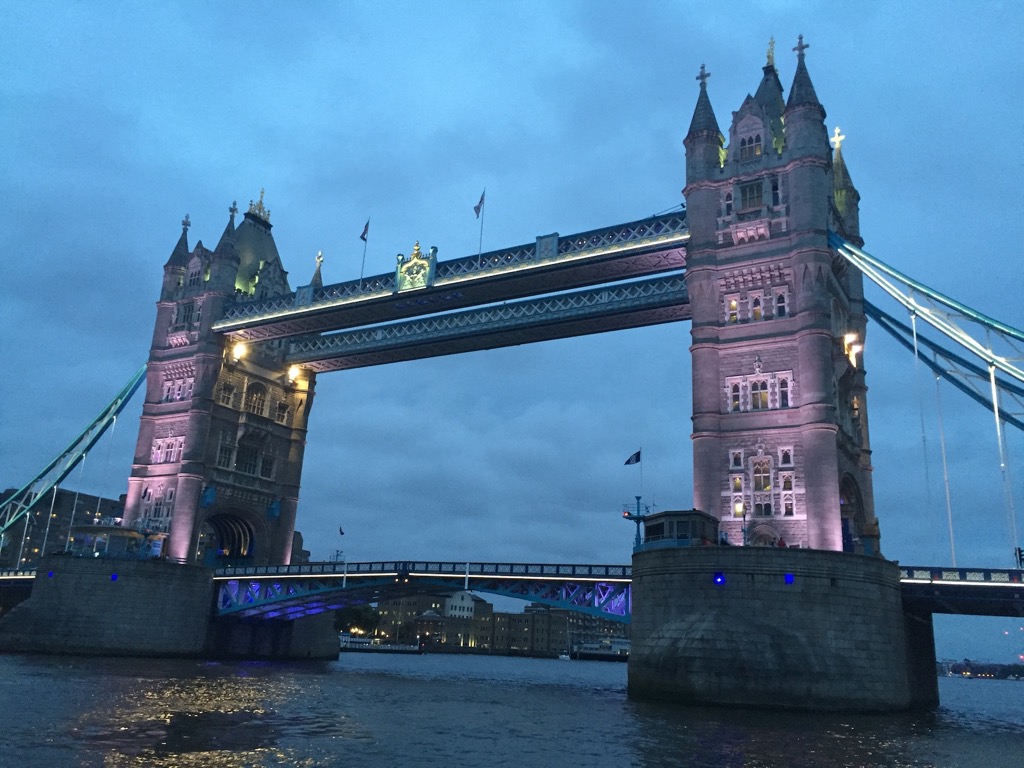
x: 945, y: 467
x: 920, y: 411
x: 1004, y: 470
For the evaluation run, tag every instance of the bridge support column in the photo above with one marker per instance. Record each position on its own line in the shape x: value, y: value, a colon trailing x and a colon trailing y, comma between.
x: 310, y: 637
x: 775, y: 628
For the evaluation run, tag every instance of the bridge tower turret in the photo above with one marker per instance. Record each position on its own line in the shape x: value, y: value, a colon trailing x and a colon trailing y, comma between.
x: 780, y: 442
x: 219, y: 455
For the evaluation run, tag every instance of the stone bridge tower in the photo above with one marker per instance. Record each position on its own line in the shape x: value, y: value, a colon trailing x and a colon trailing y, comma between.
x: 219, y: 455
x: 780, y: 434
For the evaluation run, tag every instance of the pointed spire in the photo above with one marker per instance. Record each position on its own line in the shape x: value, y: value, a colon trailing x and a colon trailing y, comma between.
x: 179, y: 256
x: 802, y: 93
x: 769, y: 98
x: 229, y: 230
x: 840, y: 174
x: 844, y: 193
x: 318, y: 281
x: 704, y: 120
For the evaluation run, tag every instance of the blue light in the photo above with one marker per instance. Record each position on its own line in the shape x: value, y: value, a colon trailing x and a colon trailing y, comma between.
x: 719, y: 578
x: 49, y: 575
x: 789, y: 578
x: 113, y: 577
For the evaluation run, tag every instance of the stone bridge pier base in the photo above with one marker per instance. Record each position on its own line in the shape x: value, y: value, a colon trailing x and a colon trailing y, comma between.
x: 777, y: 628
x: 100, y: 607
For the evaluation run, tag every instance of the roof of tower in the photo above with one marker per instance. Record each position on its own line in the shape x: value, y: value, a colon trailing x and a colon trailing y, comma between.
x: 254, y: 246
x: 704, y: 120
x: 179, y: 256
x: 802, y: 93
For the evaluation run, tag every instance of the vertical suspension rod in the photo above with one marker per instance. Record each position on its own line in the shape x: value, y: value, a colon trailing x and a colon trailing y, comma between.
x: 1003, y: 469
x: 945, y: 468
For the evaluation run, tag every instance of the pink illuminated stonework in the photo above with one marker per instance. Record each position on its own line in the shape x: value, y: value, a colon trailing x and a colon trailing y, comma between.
x: 780, y: 435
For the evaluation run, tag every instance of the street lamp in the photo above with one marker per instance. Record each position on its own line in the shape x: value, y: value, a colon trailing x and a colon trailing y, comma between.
x: 637, y: 518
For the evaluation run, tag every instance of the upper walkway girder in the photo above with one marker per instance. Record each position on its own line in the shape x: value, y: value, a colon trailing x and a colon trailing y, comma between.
x: 641, y: 248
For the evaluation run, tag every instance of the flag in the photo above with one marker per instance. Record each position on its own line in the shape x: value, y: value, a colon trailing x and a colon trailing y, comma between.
x: 634, y: 459
x: 479, y: 206
x: 366, y: 231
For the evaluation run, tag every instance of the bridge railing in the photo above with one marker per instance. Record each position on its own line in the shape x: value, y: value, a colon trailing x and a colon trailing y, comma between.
x: 990, y: 576
x: 446, y: 568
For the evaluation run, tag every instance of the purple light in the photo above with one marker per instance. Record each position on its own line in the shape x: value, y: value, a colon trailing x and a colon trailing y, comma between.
x: 719, y: 578
x: 789, y: 578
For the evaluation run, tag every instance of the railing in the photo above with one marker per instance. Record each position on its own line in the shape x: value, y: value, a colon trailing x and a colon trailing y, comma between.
x: 916, y: 574
x: 421, y: 567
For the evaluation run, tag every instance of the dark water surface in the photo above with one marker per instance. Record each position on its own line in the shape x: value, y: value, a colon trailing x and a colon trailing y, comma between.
x: 433, y: 710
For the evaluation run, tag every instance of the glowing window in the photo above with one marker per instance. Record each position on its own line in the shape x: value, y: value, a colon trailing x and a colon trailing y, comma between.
x: 759, y: 396
x: 787, y: 483
x: 732, y: 313
x: 762, y: 476
x: 734, y: 402
x: 787, y: 507
x: 737, y: 483
x: 755, y: 309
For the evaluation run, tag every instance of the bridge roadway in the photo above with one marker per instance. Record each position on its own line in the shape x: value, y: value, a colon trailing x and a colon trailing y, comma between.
x: 601, y: 590
x: 292, y: 591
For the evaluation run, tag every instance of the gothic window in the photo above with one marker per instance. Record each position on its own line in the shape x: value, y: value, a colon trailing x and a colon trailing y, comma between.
x: 224, y: 457
x: 776, y: 197
x: 787, y: 457
x: 787, y: 482
x: 193, y: 277
x: 759, y: 396
x: 282, y: 413
x: 763, y: 509
x: 247, y: 460
x: 783, y: 393
x: 750, y: 147
x: 267, y: 467
x: 755, y: 309
x: 168, y: 391
x: 737, y: 459
x: 737, y: 483
x: 780, y: 305
x: 737, y: 506
x: 734, y: 402
x: 787, y: 507
x: 750, y: 196
x: 169, y: 502
x: 732, y: 313
x: 728, y: 203
x: 255, y: 399
x: 179, y: 388
x: 762, y: 476
x: 225, y: 394
x: 189, y: 384
x: 158, y: 453
x: 158, y: 504
x: 179, y: 446
x: 185, y: 312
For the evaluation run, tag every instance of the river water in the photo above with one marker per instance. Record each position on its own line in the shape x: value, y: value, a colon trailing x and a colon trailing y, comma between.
x: 439, y: 710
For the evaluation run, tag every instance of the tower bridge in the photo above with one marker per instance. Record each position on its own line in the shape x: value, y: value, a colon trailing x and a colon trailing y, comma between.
x: 766, y: 262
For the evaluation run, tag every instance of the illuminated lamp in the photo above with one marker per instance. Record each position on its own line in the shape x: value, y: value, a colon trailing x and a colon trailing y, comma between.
x: 719, y: 578
x: 293, y: 373
x: 788, y: 578
x: 113, y: 577
x: 238, y: 351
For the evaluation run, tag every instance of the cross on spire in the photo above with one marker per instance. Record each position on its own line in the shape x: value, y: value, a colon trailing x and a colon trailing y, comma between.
x: 771, y: 51
x: 234, y: 208
x: 703, y: 76
x: 801, y: 46
x: 319, y: 259
x: 836, y: 139
x: 185, y: 223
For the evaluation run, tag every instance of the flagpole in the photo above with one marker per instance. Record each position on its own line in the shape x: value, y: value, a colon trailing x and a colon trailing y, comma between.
x: 483, y: 211
x: 641, y: 470
x: 365, y: 237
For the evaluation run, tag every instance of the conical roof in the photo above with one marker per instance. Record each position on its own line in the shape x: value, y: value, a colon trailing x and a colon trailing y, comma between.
x: 704, y: 120
x: 802, y: 93
x: 179, y: 256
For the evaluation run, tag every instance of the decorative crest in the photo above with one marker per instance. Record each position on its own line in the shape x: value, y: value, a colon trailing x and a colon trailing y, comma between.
x: 185, y: 223
x: 771, y: 51
x: 703, y: 76
x: 257, y: 209
x: 319, y: 259
x: 836, y: 139
x: 417, y: 271
x: 800, y: 46
x: 757, y: 364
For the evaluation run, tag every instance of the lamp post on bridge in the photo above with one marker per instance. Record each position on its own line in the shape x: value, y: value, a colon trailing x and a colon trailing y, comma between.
x: 637, y: 518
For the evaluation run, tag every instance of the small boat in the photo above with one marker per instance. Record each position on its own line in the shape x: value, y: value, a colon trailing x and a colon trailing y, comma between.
x: 564, y: 656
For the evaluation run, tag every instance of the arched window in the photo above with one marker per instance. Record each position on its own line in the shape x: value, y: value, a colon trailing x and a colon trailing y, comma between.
x: 787, y: 457
x: 759, y: 396
x: 734, y: 403
x: 255, y: 398
x: 787, y: 483
x: 762, y: 476
x: 728, y: 203
x: 733, y: 314
x: 776, y: 197
x: 784, y: 393
x: 755, y: 309
x: 780, y: 305
x: 737, y: 484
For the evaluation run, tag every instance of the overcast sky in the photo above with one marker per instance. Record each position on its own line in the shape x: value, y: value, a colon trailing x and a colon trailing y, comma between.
x: 118, y: 119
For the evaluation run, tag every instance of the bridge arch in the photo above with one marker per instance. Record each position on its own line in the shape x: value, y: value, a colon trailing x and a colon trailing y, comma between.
x: 851, y: 511
x: 228, y: 535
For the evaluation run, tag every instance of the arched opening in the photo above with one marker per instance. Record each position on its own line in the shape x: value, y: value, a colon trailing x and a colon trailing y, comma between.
x: 225, y: 538
x: 851, y: 512
x: 763, y: 536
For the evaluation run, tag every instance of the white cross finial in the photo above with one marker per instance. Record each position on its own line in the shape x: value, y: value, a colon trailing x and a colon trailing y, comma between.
x: 837, y: 139
x: 800, y: 46
x: 185, y: 223
x: 703, y: 76
x: 319, y: 258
